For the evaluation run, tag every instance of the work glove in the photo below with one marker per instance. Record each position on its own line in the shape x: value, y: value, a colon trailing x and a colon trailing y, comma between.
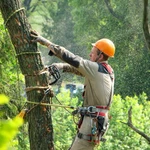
x: 37, y: 38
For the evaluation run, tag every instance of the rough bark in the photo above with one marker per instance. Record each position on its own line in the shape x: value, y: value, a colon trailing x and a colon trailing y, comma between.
x: 29, y: 58
x: 145, y: 24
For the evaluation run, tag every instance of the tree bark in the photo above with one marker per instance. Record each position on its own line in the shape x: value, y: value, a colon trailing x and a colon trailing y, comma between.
x: 145, y: 23
x: 29, y: 58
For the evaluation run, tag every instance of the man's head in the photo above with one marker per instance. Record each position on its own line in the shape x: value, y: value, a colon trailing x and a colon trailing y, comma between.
x: 102, y: 50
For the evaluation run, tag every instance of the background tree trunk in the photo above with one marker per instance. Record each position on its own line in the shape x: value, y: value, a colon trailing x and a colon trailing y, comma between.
x: 145, y: 24
x: 39, y: 118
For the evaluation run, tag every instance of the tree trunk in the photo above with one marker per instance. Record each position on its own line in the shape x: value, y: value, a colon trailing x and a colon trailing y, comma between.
x: 29, y: 58
x: 145, y: 24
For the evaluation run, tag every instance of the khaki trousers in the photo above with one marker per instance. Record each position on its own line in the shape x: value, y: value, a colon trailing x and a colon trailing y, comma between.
x: 81, y: 144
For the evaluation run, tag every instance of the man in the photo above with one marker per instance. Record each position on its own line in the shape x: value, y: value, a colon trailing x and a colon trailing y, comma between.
x: 98, y: 92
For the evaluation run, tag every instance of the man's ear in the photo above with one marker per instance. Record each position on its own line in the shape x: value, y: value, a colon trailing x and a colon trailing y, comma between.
x: 100, y: 57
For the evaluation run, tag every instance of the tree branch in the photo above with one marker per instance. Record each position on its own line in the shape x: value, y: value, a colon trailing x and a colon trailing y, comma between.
x: 129, y: 123
x: 107, y: 2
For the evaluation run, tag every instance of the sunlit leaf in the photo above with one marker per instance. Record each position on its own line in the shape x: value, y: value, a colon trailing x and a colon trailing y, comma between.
x: 3, y: 99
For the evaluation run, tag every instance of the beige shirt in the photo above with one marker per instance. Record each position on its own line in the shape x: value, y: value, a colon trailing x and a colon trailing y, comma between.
x: 98, y: 83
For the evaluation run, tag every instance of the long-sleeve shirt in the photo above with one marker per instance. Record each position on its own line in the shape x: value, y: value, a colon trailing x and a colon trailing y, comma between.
x: 99, y: 82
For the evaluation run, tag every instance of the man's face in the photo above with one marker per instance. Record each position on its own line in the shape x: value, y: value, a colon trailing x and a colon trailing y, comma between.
x: 93, y: 54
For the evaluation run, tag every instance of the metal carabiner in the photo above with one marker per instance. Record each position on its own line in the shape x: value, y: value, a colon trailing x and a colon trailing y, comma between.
x: 91, y: 109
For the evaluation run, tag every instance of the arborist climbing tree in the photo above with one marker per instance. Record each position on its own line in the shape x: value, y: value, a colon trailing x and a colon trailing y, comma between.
x: 37, y: 86
x: 98, y: 89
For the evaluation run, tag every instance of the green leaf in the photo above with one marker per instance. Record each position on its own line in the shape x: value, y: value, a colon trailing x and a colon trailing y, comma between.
x: 3, y: 99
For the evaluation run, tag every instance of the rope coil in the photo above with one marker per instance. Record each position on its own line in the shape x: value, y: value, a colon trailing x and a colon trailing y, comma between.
x: 28, y: 89
x: 26, y: 53
x: 5, y: 23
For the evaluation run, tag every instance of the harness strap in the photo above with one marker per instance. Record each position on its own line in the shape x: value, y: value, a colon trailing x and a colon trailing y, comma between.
x: 103, y: 107
x: 90, y: 138
x: 84, y: 136
x: 107, y: 67
x: 110, y: 71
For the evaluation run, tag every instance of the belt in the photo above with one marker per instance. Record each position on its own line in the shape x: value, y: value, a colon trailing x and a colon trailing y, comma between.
x: 91, y: 109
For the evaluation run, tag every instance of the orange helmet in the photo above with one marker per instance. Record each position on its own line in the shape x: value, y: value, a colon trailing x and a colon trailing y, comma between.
x: 106, y: 46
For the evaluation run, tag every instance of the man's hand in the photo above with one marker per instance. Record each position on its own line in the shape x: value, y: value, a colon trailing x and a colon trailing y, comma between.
x: 37, y: 38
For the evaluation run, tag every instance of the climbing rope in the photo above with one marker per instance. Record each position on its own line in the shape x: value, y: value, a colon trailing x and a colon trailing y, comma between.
x: 25, y: 111
x: 28, y: 89
x: 5, y: 23
x: 53, y: 71
x: 26, y: 53
x: 47, y: 104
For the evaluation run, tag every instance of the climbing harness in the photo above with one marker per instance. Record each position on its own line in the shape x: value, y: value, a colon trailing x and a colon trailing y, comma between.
x: 98, y: 122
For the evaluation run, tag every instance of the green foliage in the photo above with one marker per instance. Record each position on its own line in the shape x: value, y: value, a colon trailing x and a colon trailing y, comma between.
x: 11, y: 80
x: 120, y: 136
x: 21, y: 141
x: 8, y: 128
x: 11, y: 84
x: 4, y: 99
x: 63, y: 121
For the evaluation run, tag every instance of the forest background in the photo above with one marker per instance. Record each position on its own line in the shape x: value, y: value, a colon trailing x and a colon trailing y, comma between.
x: 76, y: 24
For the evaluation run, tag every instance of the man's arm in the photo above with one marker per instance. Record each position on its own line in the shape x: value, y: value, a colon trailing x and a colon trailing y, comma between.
x: 85, y: 67
x: 67, y: 68
x: 57, y: 50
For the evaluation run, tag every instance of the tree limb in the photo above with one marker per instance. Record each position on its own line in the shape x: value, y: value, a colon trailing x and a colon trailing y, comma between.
x: 129, y: 123
x: 107, y: 2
